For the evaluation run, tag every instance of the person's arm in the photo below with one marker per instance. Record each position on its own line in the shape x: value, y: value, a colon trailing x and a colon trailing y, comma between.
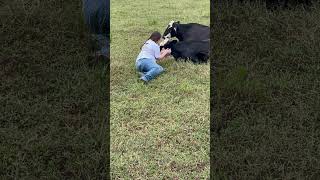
x: 164, y: 53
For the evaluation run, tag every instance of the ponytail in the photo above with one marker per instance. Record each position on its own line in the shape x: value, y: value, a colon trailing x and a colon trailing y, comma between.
x: 155, y: 36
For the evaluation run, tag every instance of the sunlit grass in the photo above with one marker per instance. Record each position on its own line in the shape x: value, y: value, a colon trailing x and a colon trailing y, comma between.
x: 160, y: 130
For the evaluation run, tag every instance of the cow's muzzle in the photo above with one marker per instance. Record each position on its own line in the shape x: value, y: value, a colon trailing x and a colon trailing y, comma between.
x: 164, y: 41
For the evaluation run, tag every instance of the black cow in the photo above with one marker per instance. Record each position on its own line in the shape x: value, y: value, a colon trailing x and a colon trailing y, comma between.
x: 97, y: 17
x: 187, y: 32
x: 196, y: 51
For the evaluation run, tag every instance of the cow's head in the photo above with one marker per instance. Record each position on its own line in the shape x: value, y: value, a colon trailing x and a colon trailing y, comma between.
x: 171, y: 30
x: 168, y: 44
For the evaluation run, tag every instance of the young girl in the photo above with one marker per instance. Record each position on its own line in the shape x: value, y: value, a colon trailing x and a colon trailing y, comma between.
x: 146, y: 62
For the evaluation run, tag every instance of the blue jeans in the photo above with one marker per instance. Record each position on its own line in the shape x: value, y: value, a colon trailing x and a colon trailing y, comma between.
x: 149, y: 68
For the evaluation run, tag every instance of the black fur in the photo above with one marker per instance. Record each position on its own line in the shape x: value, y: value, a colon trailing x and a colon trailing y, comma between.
x: 188, y: 32
x: 196, y: 51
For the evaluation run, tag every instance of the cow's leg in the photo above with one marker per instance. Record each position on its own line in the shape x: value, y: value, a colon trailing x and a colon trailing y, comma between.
x: 186, y: 58
x: 202, y: 56
x: 175, y: 55
x: 96, y: 15
x: 187, y: 55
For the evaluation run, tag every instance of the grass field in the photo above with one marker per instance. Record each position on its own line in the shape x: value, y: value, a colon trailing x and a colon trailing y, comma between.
x: 158, y: 131
x: 53, y: 106
x: 267, y: 74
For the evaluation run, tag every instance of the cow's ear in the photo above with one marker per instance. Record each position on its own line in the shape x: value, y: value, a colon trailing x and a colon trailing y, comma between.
x: 178, y: 22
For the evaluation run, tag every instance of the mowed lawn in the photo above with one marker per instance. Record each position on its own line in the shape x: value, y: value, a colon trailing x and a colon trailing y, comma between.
x: 266, y: 118
x: 160, y: 130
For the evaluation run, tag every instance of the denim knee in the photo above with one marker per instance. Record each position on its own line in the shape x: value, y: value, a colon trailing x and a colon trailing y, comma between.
x: 160, y: 69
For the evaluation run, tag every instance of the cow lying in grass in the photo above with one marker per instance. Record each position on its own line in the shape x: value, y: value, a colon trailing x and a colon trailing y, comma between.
x: 186, y: 32
x: 196, y: 51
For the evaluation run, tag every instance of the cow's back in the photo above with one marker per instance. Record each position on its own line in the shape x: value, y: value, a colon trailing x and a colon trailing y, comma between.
x: 194, y: 32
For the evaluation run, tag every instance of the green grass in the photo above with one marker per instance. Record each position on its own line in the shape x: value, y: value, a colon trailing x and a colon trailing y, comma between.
x: 158, y: 131
x: 53, y: 105
x: 266, y: 113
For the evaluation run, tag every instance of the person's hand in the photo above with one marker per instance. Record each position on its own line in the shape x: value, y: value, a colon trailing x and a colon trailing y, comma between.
x: 168, y: 51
